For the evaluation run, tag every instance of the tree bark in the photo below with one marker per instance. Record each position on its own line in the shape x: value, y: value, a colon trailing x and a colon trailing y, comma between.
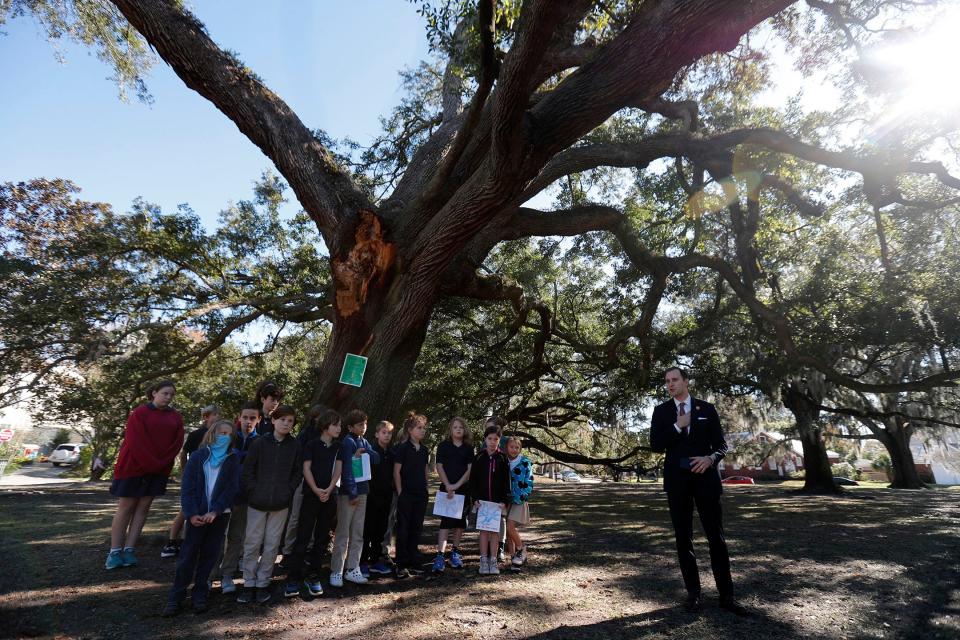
x: 896, y: 440
x: 818, y: 478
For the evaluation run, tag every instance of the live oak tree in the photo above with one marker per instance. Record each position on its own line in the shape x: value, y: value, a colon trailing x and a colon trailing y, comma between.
x: 532, y: 94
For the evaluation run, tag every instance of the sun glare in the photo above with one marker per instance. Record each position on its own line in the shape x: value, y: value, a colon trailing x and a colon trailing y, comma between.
x: 922, y: 69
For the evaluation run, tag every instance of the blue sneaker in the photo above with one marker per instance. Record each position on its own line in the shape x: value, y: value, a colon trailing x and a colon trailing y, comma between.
x: 314, y: 586
x: 114, y: 560
x: 128, y: 558
x: 438, y: 564
x: 292, y: 590
x: 365, y: 570
x: 456, y: 560
x: 380, y: 568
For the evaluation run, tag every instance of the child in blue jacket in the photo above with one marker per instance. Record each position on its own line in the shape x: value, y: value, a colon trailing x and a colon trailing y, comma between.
x: 518, y: 512
x: 210, y: 483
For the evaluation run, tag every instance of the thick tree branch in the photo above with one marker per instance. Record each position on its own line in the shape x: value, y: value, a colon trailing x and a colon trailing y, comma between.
x: 489, y: 69
x: 528, y: 222
x: 662, y: 38
x: 857, y: 413
x: 326, y: 191
x: 568, y: 457
x: 536, y: 25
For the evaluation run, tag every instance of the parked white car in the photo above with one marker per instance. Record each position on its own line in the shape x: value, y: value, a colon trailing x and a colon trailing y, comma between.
x: 68, y: 454
x: 569, y: 476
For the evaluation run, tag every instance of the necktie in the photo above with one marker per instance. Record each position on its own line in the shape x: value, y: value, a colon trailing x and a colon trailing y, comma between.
x: 682, y: 410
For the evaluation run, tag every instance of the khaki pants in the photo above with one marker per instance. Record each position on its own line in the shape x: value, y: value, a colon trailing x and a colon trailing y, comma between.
x: 263, y: 527
x: 235, y: 534
x: 349, y: 533
x: 290, y: 537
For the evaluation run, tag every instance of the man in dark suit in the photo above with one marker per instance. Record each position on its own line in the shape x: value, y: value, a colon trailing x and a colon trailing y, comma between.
x: 688, y: 430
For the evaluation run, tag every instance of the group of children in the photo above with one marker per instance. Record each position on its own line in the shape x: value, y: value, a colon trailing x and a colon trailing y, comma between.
x: 251, y: 490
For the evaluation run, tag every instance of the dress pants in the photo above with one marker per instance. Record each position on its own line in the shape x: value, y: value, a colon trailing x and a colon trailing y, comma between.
x: 264, y: 529
x: 290, y: 535
x: 315, y: 517
x: 411, y: 509
x: 682, y: 501
x: 234, y: 547
x: 375, y: 526
x: 348, y: 540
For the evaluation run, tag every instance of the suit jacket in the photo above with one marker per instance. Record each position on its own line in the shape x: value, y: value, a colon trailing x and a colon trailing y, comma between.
x: 705, y: 439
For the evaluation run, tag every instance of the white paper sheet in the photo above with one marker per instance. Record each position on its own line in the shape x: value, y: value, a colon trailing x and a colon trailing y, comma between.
x: 448, y: 507
x: 488, y: 516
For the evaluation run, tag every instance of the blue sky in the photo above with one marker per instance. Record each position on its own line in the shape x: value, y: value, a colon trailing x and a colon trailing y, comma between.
x: 335, y: 63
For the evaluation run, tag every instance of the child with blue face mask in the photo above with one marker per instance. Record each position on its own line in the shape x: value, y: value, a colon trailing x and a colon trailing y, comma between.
x: 210, y: 484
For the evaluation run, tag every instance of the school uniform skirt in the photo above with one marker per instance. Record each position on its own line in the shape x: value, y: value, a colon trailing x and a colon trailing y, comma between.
x: 519, y: 513
x: 149, y: 485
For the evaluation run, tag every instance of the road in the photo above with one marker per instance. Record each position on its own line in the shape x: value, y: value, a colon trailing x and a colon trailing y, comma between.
x: 36, y: 474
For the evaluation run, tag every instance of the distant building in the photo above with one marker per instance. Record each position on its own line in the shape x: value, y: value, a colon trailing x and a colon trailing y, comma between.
x: 777, y: 459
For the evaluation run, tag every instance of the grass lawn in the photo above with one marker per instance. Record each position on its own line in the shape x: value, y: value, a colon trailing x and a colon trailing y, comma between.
x: 872, y: 563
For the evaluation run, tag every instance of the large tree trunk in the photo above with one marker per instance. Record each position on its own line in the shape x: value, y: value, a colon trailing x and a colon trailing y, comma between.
x: 896, y: 439
x: 372, y: 319
x: 804, y: 403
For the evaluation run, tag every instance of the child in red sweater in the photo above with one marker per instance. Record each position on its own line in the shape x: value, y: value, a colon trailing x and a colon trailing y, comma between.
x: 151, y: 442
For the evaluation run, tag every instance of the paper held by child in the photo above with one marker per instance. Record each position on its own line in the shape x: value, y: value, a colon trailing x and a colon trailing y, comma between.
x: 488, y: 516
x: 361, y: 468
x: 448, y: 507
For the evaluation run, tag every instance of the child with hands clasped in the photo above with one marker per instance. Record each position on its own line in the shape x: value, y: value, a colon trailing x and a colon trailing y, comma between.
x: 410, y: 472
x: 210, y: 484
x: 518, y: 513
x: 321, y: 471
x: 351, y: 504
x: 454, y: 459
x: 490, y: 481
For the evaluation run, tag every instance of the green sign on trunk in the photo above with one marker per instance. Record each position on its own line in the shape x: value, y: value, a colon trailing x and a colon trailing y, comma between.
x: 354, y: 367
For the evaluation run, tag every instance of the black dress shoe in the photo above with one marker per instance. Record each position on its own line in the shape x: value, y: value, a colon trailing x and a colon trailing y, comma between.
x: 731, y: 605
x: 692, y: 604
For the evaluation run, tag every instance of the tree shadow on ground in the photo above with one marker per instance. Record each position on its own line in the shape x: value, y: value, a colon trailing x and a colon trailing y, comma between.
x: 603, y: 566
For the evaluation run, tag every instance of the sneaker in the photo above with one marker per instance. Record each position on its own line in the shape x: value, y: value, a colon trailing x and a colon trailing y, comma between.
x: 315, y: 587
x: 292, y: 590
x: 128, y: 558
x: 171, y: 609
x: 114, y: 560
x: 516, y: 560
x: 456, y: 560
x: 401, y: 573
x: 493, y: 568
x: 354, y: 576
x: 439, y: 564
x: 200, y: 606
x: 228, y: 586
x: 500, y: 556
x: 365, y: 569
x: 336, y: 579
x: 523, y: 555
x: 245, y: 596
x: 170, y: 550
x: 380, y: 568
x: 484, y: 566
x: 263, y: 595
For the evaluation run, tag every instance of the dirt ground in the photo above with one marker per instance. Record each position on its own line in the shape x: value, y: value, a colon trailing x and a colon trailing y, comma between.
x: 873, y: 563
